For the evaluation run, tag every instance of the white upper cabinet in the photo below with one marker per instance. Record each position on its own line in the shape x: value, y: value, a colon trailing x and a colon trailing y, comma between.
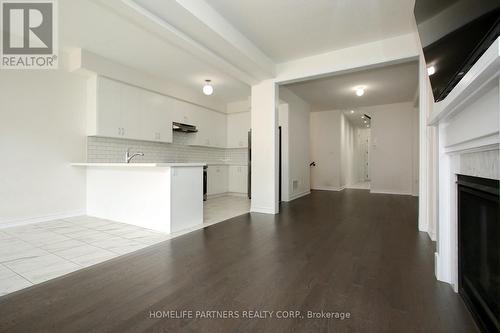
x: 211, y: 126
x: 119, y: 110
x: 238, y: 125
x: 157, y: 117
x: 104, y: 95
x: 131, y: 111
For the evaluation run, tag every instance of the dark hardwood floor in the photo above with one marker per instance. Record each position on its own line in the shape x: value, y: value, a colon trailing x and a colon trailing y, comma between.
x: 347, y: 251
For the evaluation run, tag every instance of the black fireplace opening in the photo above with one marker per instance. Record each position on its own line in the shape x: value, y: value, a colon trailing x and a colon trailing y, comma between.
x: 479, y: 249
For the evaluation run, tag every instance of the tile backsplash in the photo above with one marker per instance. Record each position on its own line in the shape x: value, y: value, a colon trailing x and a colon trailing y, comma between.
x: 109, y: 150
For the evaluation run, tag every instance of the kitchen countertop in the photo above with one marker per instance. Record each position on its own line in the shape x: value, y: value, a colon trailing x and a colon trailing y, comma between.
x: 131, y: 165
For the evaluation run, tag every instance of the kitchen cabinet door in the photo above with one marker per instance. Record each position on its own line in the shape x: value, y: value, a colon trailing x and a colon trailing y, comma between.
x: 132, y: 112
x: 218, y: 129
x: 217, y: 179
x: 156, y: 117
x: 238, y: 178
x: 238, y: 125
x: 107, y: 109
x: 123, y: 111
x: 163, y: 116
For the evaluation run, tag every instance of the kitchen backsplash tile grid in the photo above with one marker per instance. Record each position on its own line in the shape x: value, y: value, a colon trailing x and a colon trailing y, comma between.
x: 110, y: 150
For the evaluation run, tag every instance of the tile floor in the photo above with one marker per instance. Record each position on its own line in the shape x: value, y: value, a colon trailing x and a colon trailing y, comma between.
x: 36, y: 253
x: 39, y: 252
x: 223, y: 208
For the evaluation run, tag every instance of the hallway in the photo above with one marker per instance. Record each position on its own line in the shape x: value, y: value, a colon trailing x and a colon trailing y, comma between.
x: 348, y: 251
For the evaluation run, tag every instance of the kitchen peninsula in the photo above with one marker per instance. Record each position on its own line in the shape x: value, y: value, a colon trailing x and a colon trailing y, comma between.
x: 166, y: 197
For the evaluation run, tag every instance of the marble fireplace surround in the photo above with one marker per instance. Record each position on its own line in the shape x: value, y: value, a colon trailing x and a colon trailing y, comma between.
x: 468, y: 123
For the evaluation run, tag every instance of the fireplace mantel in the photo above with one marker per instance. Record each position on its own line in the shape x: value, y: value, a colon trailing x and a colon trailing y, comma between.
x: 468, y: 123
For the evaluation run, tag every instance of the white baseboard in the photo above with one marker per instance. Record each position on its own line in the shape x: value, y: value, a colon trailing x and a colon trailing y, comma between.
x: 436, y: 265
x: 218, y: 195
x: 237, y: 194
x: 328, y: 188
x: 298, y: 195
x: 37, y: 219
x: 389, y: 192
x: 263, y: 210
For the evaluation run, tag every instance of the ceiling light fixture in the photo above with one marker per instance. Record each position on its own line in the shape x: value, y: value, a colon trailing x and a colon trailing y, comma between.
x: 431, y: 70
x: 352, y: 111
x: 360, y: 91
x: 208, y: 89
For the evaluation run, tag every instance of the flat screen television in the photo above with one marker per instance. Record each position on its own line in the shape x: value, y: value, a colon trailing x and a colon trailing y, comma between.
x: 454, y: 34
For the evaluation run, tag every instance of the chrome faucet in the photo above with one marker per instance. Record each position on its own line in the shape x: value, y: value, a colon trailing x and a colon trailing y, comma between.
x: 129, y: 157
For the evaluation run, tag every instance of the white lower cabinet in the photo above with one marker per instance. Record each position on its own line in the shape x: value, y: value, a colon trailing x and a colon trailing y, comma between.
x: 217, y: 179
x: 227, y: 178
x: 238, y: 181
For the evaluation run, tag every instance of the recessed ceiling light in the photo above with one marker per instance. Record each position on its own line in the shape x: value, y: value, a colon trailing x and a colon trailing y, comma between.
x: 208, y: 89
x: 431, y: 70
x: 363, y: 117
x: 365, y: 121
x: 352, y: 111
x: 360, y: 91
x: 368, y: 126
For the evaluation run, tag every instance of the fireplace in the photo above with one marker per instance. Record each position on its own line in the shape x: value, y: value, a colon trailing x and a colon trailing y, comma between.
x: 479, y: 249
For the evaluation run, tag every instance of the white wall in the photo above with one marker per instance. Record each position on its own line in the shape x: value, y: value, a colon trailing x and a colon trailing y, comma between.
x: 347, y: 152
x: 264, y: 124
x: 325, y: 150
x: 239, y: 106
x: 334, y: 148
x: 392, y: 159
x: 295, y: 136
x: 283, y: 120
x: 415, y: 151
x: 42, y: 130
x: 393, y: 152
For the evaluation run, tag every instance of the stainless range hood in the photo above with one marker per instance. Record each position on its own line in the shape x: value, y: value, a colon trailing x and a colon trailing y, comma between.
x: 185, y: 128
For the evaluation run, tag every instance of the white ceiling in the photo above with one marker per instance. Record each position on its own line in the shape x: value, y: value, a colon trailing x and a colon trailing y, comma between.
x: 233, y: 43
x: 385, y: 85
x: 87, y: 24
x: 291, y: 29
